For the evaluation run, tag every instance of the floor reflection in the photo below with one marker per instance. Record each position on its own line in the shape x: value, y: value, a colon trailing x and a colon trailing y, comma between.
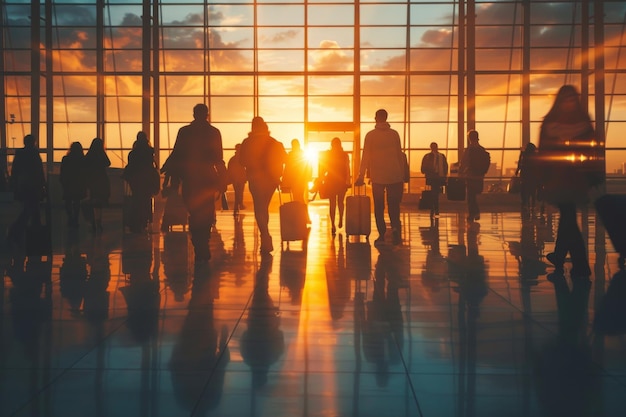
x: 461, y: 319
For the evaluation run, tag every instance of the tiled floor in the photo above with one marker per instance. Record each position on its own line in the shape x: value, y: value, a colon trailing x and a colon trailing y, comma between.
x: 458, y: 321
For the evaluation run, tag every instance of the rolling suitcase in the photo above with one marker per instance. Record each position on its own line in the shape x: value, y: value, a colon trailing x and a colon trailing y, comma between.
x: 174, y: 213
x: 455, y: 189
x: 358, y: 215
x: 293, y: 221
x: 426, y: 200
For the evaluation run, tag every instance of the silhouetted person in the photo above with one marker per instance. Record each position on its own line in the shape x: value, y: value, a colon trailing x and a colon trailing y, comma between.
x: 566, y: 184
x: 263, y: 156
x: 73, y: 182
x: 529, y: 179
x: 473, y: 167
x: 297, y: 173
x: 29, y: 186
x: 197, y: 149
x: 262, y: 343
x: 4, y: 170
x: 238, y: 176
x: 384, y: 161
x: 435, y: 167
x: 98, y: 183
x: 142, y: 176
x: 335, y: 171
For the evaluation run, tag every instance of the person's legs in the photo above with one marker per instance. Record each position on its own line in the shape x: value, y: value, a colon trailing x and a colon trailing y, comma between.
x: 201, y: 219
x: 570, y: 239
x: 473, y: 212
x: 436, y: 190
x: 261, y: 197
x: 394, y: 198
x: 378, y: 195
x: 332, y: 206
x: 238, y: 187
x: 75, y: 212
x: 340, y: 205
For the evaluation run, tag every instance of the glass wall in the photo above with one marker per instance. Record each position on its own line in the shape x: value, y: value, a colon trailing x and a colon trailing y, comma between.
x: 77, y: 69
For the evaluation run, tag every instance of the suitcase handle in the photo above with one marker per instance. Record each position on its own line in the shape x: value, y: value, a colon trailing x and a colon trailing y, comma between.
x: 357, y: 189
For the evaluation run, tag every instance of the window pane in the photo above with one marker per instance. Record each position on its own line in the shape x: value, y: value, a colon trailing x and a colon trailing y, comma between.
x: 331, y: 60
x: 281, y: 85
x: 280, y: 15
x: 281, y: 60
x: 232, y: 85
x: 231, y: 109
x: 383, y: 14
x: 280, y: 38
x: 383, y: 37
x: 330, y: 109
x: 282, y: 108
x: 325, y: 85
x: 331, y: 15
x: 331, y: 38
x: 383, y: 60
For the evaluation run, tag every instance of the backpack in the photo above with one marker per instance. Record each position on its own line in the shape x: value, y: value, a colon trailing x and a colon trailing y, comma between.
x: 483, y: 161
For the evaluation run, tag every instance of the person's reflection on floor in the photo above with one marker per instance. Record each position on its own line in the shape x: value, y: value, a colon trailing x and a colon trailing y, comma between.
x: 527, y: 252
x: 337, y: 279
x: 96, y: 297
x: 141, y: 292
x: 200, y: 356
x: 73, y: 275
x: 240, y: 267
x: 470, y: 273
x: 293, y: 273
x: 175, y: 257
x: 263, y: 343
x: 435, y: 268
x: 31, y: 302
x: 383, y: 336
x: 565, y: 376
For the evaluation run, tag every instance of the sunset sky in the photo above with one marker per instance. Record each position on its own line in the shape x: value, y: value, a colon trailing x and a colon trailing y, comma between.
x: 294, y: 62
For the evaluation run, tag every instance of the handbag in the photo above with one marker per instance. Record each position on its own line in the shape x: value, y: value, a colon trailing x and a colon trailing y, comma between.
x: 514, y: 185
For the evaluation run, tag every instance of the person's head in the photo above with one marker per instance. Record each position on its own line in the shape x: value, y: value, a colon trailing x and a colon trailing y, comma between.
x: 75, y: 149
x: 434, y: 147
x: 97, y: 144
x: 237, y: 147
x: 472, y: 137
x: 381, y: 115
x: 142, y: 140
x: 530, y: 148
x: 567, y: 98
x: 567, y: 106
x: 200, y: 112
x: 335, y: 143
x: 295, y: 144
x: 29, y: 141
x: 259, y: 125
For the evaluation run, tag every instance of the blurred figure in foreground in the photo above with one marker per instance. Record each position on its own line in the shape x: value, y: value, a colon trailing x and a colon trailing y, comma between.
x: 567, y: 129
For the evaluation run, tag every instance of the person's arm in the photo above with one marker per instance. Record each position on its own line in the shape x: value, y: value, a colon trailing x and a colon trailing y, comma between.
x: 445, y: 165
x: 423, y: 169
x: 365, y: 162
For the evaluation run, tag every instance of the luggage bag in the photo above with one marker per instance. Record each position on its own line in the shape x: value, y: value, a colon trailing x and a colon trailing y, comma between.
x: 174, y: 213
x: 358, y: 215
x: 426, y: 200
x: 455, y: 189
x: 293, y: 221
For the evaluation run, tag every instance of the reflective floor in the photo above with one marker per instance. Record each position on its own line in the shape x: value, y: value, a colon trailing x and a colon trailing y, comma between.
x: 460, y: 320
